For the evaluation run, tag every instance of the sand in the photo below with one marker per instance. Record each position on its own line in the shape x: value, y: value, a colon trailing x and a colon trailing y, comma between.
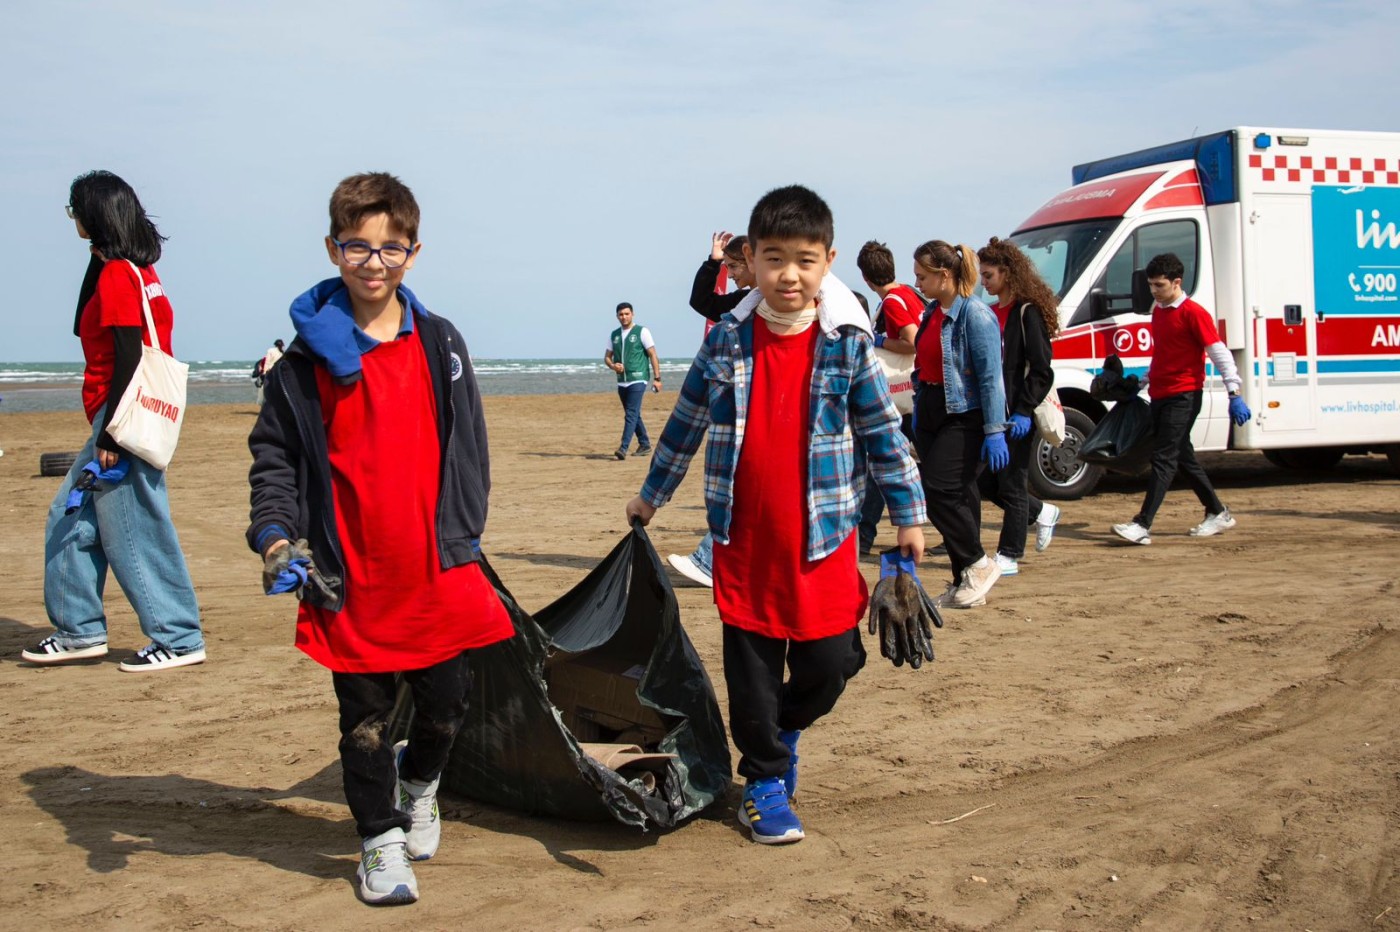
x: 1199, y: 734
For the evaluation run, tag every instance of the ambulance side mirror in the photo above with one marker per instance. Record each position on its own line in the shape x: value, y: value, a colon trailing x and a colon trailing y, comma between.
x: 1142, y: 295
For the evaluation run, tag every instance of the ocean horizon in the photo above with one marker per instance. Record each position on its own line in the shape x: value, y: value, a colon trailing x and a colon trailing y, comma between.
x: 56, y: 386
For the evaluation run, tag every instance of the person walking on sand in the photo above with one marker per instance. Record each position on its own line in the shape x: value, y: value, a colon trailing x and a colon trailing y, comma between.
x: 959, y: 412
x: 112, y: 509
x: 631, y: 354
x: 1183, y: 334
x: 274, y: 353
x: 369, y: 494
x: 1027, y: 312
x: 788, y: 392
x: 712, y: 300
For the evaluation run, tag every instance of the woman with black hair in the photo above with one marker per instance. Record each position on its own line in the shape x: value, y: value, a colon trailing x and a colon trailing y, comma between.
x: 112, y: 509
x: 1028, y: 312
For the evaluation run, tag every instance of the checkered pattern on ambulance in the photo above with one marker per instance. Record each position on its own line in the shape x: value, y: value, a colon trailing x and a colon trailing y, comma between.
x: 1324, y: 169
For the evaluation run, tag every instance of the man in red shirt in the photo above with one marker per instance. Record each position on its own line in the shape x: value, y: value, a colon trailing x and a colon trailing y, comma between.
x: 1183, y: 333
x: 897, y: 320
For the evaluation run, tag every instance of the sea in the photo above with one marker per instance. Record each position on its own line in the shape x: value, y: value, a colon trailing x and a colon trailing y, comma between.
x: 56, y: 386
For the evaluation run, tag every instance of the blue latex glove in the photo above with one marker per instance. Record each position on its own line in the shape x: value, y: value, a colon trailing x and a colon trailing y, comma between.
x: 476, y: 545
x: 880, y: 339
x: 1020, y: 426
x: 291, y: 569
x: 87, y: 480
x: 1239, y: 411
x: 994, y: 451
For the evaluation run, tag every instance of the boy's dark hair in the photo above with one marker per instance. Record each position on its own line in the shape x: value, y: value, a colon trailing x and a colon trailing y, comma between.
x: 734, y: 249
x: 278, y: 344
x: 621, y: 306
x: 1167, y: 266
x: 876, y: 263
x: 369, y: 193
x: 793, y: 212
x: 114, y: 219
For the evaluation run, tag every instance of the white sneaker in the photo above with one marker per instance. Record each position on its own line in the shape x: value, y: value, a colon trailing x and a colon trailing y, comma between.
x: 54, y: 649
x: 419, y: 800
x: 1045, y: 525
x: 1007, y: 565
x: 690, y: 570
x: 386, y: 877
x: 946, y: 598
x: 1213, y: 524
x: 1133, y: 533
x: 978, y: 580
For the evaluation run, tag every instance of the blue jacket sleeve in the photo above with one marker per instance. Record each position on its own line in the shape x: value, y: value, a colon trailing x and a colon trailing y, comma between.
x: 984, y: 344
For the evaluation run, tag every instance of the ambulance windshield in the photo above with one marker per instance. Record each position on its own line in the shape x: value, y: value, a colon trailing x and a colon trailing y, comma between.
x: 1060, y: 253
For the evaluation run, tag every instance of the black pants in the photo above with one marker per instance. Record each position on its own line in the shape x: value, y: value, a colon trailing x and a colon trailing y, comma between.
x: 367, y: 760
x: 1172, y: 418
x: 950, y: 459
x: 761, y: 704
x: 1009, y: 491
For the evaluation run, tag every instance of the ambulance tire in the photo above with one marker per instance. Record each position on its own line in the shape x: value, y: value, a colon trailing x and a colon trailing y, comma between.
x: 1305, y: 459
x: 1392, y: 453
x: 56, y: 464
x: 1058, y: 473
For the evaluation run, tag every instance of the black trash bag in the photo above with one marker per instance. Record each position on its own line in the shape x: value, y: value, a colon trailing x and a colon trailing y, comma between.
x: 607, y: 663
x: 1110, y: 384
x: 1122, y: 441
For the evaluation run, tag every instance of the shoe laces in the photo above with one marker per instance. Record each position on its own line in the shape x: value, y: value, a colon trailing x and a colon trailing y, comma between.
x: 387, y: 857
x: 422, y: 810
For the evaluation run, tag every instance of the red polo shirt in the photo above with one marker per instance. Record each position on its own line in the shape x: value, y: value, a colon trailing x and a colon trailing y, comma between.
x: 1180, y: 336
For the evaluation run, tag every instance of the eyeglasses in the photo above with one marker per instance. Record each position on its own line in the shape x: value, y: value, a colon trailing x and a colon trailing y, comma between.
x: 68, y: 209
x: 357, y: 253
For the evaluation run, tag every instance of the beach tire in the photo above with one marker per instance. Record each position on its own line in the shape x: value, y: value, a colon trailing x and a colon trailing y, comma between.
x: 1058, y: 472
x: 56, y: 464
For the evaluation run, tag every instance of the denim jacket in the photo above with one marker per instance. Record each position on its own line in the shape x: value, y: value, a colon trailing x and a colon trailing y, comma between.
x: 972, y: 376
x: 851, y: 416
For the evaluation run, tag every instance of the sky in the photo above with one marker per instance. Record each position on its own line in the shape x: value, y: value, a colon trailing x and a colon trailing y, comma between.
x: 568, y: 155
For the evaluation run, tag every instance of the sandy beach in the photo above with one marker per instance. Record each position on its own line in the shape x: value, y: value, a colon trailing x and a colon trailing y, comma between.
x: 1200, y: 734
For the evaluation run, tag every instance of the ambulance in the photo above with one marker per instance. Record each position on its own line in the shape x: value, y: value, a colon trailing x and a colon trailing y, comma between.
x: 1290, y: 238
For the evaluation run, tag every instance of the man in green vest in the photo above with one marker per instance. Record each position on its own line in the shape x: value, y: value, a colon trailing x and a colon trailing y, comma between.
x: 632, y: 355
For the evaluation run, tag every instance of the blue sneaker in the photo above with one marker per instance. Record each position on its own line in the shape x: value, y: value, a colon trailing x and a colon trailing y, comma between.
x: 790, y: 779
x: 767, y: 815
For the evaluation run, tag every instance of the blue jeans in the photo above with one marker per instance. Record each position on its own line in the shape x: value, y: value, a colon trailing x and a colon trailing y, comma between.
x: 128, y: 528
x: 631, y: 397
x: 703, y: 556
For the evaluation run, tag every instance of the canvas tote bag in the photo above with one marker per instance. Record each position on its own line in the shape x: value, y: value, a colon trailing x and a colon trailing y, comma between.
x: 1049, y: 415
x: 146, y: 422
x: 899, y: 372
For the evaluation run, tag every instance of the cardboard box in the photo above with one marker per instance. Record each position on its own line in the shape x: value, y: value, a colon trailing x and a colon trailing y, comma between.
x: 597, y: 696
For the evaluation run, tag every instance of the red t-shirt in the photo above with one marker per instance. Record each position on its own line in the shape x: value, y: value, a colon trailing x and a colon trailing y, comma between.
x: 1003, y: 311
x: 402, y: 610
x: 902, y: 308
x: 117, y: 303
x: 763, y: 581
x: 928, y: 352
x: 1180, y: 336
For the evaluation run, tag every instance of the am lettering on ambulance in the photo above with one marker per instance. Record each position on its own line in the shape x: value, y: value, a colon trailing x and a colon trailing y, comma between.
x: 1291, y: 238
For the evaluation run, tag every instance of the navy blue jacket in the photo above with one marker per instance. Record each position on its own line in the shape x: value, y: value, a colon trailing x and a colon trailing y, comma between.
x: 291, y: 479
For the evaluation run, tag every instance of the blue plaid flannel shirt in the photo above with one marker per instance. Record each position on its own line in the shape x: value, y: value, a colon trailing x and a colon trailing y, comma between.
x: 853, y: 422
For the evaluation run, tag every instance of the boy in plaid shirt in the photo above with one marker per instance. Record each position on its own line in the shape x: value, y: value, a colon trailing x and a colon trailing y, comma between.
x: 795, y: 406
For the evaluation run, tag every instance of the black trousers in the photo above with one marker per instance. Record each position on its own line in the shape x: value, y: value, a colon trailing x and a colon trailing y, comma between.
x: 1172, y: 418
x: 367, y: 759
x: 1009, y: 490
x: 950, y: 460
x: 761, y: 704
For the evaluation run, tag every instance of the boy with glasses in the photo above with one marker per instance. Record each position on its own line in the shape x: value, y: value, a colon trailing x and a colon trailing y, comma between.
x: 369, y: 485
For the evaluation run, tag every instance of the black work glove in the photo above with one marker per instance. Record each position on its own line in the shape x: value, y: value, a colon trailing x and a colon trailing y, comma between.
x: 902, y: 613
x: 291, y: 569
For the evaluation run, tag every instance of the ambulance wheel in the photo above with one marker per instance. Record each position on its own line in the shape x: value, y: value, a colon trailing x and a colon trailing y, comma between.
x: 1058, y: 472
x: 1392, y: 453
x: 56, y: 464
x: 1305, y: 459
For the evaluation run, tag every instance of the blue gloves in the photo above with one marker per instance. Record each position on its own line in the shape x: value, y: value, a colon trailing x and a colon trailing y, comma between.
x: 87, y: 480
x: 1020, y: 426
x: 994, y: 451
x: 1239, y: 411
x: 880, y: 339
x: 290, y: 569
x: 893, y: 562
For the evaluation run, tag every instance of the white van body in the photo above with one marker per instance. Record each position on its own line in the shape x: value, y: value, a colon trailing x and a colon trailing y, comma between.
x: 1291, y: 239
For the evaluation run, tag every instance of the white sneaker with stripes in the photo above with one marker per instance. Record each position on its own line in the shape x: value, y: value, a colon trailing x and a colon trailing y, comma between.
x: 153, y: 657
x: 54, y: 649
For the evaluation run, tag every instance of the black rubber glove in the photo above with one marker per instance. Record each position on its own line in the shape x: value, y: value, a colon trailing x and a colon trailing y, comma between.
x: 903, y: 615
